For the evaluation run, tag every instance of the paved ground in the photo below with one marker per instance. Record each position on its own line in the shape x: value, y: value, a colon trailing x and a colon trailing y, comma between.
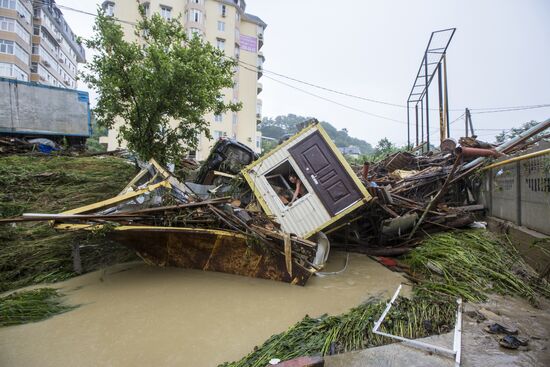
x: 479, y: 349
x: 394, y: 355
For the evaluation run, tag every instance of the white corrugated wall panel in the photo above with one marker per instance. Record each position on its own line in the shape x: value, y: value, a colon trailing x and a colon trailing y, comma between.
x: 307, y: 213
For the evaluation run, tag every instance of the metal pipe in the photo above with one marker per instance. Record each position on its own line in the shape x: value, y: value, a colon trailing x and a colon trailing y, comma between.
x: 446, y: 96
x: 416, y: 112
x: 513, y: 142
x: 427, y: 100
x: 408, y: 128
x: 517, y: 159
x: 442, y: 126
x: 365, y: 172
x: 422, y: 123
x: 477, y: 152
x: 466, y: 115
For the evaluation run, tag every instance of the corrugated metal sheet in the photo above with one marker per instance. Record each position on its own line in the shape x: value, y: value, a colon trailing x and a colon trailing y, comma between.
x: 27, y: 108
x: 307, y: 213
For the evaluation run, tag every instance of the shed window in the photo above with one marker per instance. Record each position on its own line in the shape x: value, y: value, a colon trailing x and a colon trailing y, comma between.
x: 285, y: 182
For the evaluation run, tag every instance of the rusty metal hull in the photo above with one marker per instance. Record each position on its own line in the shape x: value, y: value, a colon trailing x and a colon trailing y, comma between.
x: 211, y: 250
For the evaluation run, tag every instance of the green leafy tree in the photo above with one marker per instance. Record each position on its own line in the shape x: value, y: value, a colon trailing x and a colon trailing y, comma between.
x: 515, y: 131
x: 160, y: 86
x: 92, y: 144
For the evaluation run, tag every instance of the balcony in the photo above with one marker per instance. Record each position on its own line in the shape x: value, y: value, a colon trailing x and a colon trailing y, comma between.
x: 260, y: 40
x: 259, y: 110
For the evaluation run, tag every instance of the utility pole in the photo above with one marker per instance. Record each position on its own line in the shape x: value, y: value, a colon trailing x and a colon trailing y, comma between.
x: 468, y: 122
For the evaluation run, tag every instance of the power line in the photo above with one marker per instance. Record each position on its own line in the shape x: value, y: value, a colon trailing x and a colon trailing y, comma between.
x: 511, y: 109
x: 328, y: 89
x: 481, y: 110
x: 327, y: 99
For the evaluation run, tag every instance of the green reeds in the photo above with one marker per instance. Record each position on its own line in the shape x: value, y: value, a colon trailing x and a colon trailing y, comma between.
x: 471, y: 264
x: 414, y: 318
x: 31, y: 306
x: 32, y: 253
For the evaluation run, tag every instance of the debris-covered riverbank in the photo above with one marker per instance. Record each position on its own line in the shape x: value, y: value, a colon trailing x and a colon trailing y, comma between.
x: 470, y: 264
x: 32, y: 253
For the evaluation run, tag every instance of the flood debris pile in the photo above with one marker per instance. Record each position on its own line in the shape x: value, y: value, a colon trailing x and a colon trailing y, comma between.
x: 193, y: 225
x: 472, y: 264
x: 234, y: 218
x: 328, y: 335
x: 414, y: 195
x: 32, y: 253
x: 31, y: 306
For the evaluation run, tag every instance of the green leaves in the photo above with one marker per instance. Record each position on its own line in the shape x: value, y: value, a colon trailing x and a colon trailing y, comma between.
x: 158, y: 88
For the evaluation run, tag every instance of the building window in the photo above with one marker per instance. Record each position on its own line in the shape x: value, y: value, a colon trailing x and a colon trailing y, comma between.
x: 146, y: 8
x: 166, y: 12
x: 6, y: 47
x: 7, y: 24
x: 24, y: 13
x: 109, y: 8
x: 217, y: 135
x: 238, y: 17
x: 11, y: 25
x: 199, y: 2
x: 22, y: 32
x: 235, y: 119
x: 8, y: 4
x: 220, y: 43
x: 218, y: 118
x: 221, y: 26
x: 12, y: 71
x: 223, y: 10
x: 194, y: 32
x: 237, y: 52
x: 195, y: 16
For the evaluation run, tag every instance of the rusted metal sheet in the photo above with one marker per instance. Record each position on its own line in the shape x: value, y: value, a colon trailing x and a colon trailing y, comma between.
x: 477, y: 152
x: 211, y: 250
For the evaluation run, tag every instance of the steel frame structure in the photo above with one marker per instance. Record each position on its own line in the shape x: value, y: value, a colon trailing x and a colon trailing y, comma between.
x: 419, y: 94
x: 454, y: 353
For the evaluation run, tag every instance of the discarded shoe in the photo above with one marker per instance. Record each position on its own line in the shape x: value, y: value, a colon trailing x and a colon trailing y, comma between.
x: 511, y: 342
x: 496, y: 328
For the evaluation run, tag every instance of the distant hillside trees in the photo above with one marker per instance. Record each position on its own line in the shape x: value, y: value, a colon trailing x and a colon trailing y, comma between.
x: 279, y: 126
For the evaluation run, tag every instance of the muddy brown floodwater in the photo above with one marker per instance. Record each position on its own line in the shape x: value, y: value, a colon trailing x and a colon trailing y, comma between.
x: 138, y: 315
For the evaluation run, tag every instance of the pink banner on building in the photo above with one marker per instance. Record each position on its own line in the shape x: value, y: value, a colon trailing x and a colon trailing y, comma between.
x: 249, y: 43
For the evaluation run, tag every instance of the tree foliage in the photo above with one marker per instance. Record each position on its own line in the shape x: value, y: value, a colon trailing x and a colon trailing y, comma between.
x: 160, y: 87
x: 515, y: 131
x: 281, y: 125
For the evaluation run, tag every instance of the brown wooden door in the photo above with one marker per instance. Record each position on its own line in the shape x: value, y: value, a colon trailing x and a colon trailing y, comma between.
x: 325, y: 173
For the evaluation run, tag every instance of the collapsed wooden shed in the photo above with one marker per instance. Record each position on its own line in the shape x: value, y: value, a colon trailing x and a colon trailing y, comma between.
x: 332, y: 189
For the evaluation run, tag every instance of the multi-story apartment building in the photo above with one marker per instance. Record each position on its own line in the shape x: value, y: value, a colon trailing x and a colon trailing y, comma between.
x: 225, y: 24
x: 37, y: 44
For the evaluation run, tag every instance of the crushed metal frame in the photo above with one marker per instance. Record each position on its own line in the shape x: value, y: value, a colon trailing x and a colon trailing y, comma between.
x: 454, y: 353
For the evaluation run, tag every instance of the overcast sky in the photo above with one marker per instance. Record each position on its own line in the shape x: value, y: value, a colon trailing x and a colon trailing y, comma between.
x: 499, y: 57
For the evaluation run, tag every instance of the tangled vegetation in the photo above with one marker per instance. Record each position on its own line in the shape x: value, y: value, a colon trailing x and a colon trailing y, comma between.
x: 467, y: 264
x: 352, y: 330
x: 471, y: 264
x: 32, y: 253
x: 31, y: 306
